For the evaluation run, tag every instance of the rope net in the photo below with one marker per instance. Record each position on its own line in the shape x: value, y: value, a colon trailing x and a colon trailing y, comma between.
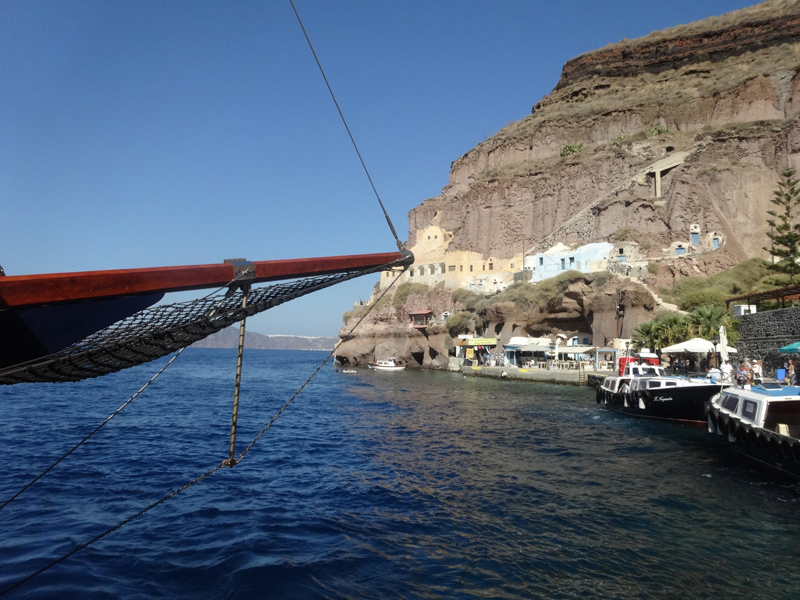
x: 161, y: 330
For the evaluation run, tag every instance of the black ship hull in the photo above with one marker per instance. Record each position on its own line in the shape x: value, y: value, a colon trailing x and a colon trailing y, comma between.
x: 684, y: 405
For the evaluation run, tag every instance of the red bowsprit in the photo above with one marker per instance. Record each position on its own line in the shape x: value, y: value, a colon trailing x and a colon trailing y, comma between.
x: 72, y: 326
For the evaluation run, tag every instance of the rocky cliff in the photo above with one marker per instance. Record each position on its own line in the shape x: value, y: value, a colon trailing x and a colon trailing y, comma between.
x: 583, y: 304
x: 729, y: 96
x: 707, y: 114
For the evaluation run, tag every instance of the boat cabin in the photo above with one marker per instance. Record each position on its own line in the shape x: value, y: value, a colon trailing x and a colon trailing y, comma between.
x: 768, y: 406
x: 642, y: 370
x: 644, y: 358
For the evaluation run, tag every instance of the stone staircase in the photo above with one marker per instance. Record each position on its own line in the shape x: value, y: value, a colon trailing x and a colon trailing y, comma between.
x: 582, y: 223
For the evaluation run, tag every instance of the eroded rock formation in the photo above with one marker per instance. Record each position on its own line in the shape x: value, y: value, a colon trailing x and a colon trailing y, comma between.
x: 724, y: 92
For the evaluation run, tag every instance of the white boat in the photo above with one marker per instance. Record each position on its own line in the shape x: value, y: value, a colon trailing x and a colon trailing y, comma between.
x: 390, y: 364
x: 763, y: 423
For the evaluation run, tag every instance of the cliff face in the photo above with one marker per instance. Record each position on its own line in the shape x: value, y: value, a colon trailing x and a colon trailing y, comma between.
x: 730, y: 96
x: 761, y: 26
x: 583, y: 307
x: 717, y: 102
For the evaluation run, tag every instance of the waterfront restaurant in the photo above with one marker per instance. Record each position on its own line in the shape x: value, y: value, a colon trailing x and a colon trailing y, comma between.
x: 478, y: 349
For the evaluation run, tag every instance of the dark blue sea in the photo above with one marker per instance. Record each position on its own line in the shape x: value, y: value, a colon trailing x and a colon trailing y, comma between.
x: 378, y: 485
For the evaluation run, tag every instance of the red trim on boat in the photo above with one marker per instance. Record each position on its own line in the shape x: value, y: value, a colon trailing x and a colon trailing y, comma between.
x: 20, y: 291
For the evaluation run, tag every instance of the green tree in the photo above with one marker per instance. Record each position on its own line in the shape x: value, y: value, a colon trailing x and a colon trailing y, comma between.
x: 662, y: 332
x: 673, y: 328
x: 706, y: 321
x: 785, y: 234
x: 646, y: 336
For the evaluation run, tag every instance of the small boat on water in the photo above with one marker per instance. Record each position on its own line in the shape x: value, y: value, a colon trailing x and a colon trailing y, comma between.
x: 762, y: 422
x: 646, y: 391
x: 390, y: 364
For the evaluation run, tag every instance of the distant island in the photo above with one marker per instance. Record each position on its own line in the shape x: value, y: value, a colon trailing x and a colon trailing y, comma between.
x: 229, y: 338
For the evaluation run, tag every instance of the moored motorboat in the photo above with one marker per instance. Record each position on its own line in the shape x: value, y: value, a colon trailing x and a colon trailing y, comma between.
x: 762, y: 422
x: 647, y: 392
x: 390, y: 364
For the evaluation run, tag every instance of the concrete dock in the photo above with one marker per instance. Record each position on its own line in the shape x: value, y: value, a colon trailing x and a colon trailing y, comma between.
x: 562, y: 377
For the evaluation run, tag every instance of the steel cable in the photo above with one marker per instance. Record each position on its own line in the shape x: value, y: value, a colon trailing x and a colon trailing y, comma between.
x: 400, y: 244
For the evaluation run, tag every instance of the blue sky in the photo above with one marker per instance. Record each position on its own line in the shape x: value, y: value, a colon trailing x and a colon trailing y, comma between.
x: 152, y: 133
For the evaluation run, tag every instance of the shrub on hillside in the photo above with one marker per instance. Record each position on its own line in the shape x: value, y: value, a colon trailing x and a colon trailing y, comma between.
x: 698, y: 298
x: 459, y: 323
x: 526, y: 295
x: 600, y: 279
x: 360, y: 311
x: 657, y: 130
x: 750, y: 275
x: 653, y: 268
x: 404, y: 290
x: 468, y: 298
x: 568, y: 149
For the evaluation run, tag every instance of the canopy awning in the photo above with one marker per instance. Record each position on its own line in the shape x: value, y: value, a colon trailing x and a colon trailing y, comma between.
x: 790, y: 349
x: 602, y: 351
x: 535, y: 348
x: 575, y: 349
x: 478, y: 342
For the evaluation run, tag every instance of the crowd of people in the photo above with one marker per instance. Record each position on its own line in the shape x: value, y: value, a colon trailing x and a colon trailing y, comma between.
x: 752, y: 372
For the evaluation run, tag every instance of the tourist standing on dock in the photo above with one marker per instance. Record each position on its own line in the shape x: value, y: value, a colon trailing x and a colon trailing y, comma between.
x: 741, y: 375
x: 727, y: 371
x: 758, y: 372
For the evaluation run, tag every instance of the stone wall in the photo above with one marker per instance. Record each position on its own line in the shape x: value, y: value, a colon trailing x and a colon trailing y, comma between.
x: 636, y: 270
x: 763, y: 333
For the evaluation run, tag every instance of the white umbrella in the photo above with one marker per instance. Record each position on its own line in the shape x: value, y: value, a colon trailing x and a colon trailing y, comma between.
x: 696, y: 345
x: 728, y: 350
x: 722, y: 347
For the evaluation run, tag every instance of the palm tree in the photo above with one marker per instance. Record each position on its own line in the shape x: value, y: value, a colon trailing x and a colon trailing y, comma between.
x: 706, y: 321
x: 673, y: 329
x: 646, y: 335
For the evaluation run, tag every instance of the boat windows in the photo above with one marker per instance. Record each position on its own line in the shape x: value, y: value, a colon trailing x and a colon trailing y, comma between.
x: 654, y: 384
x: 749, y: 410
x: 730, y: 403
x: 670, y: 384
x: 784, y: 412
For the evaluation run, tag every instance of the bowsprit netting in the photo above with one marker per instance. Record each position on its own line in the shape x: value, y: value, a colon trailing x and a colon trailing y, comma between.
x: 160, y: 330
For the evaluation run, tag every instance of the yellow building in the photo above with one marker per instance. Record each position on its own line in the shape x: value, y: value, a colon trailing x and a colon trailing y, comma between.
x: 433, y: 264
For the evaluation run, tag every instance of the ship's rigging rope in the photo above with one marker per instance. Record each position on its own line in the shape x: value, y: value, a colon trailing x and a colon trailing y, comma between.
x: 115, y: 413
x: 400, y: 244
x: 224, y: 463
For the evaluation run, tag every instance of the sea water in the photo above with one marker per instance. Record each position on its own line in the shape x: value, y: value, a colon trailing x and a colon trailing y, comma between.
x: 378, y: 485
